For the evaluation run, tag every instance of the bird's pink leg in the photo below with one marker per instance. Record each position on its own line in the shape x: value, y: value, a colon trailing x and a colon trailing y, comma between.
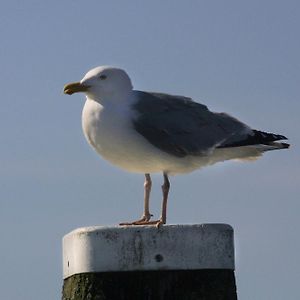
x: 165, y: 190
x: 147, y: 190
x: 146, y: 216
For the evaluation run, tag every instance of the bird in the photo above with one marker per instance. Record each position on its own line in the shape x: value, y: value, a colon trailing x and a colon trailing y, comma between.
x: 149, y: 132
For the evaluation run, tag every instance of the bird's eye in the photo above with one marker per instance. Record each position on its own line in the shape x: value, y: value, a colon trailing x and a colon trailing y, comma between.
x: 102, y: 77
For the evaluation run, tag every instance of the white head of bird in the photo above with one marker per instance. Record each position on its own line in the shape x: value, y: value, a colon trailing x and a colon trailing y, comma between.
x: 102, y: 83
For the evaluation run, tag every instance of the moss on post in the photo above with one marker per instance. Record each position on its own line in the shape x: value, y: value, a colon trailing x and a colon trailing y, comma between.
x: 152, y: 285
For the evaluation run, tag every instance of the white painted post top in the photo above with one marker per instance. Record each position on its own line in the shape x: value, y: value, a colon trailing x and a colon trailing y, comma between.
x: 144, y: 248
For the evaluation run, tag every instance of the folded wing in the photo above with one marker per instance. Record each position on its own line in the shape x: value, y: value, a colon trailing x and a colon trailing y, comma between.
x: 179, y: 126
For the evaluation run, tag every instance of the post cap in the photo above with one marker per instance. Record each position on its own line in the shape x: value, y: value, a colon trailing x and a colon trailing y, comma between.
x: 145, y: 248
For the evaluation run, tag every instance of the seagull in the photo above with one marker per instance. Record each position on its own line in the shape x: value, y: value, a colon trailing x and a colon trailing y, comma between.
x: 146, y: 132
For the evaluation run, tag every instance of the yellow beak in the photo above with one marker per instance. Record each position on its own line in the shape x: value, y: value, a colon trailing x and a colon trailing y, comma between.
x: 75, y: 87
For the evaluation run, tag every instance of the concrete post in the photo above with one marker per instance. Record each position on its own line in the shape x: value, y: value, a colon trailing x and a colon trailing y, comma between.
x: 184, y: 262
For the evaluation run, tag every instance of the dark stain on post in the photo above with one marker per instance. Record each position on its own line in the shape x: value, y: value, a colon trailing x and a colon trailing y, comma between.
x: 159, y: 257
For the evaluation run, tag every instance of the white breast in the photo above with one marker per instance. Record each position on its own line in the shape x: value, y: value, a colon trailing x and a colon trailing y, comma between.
x: 109, y: 131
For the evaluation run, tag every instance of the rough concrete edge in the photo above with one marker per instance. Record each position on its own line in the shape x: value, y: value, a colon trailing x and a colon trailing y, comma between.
x: 92, y: 229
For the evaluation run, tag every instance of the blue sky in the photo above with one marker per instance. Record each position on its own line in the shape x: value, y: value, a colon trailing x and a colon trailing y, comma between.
x: 235, y: 56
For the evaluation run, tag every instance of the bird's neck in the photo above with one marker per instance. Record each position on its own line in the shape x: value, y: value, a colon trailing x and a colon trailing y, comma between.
x: 116, y: 99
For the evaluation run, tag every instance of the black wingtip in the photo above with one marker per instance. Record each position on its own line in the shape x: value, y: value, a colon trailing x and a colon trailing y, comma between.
x: 260, y: 138
x: 285, y: 145
x: 265, y: 137
x: 279, y: 137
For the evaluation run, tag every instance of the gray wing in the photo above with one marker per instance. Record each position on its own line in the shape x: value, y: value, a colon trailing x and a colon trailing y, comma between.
x: 180, y: 126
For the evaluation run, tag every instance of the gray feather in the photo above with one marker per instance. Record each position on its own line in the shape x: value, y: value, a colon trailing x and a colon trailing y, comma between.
x: 180, y: 126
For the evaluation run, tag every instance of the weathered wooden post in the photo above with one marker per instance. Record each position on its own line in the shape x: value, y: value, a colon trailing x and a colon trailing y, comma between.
x: 178, y: 262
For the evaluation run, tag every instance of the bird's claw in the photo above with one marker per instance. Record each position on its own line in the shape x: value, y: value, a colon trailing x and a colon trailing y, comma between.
x: 144, y: 219
x: 156, y: 223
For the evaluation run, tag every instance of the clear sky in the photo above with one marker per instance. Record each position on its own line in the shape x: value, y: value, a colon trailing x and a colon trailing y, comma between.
x: 241, y: 57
